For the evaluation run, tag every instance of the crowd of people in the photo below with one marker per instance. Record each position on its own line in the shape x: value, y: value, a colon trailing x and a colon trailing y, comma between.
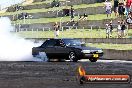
x: 121, y: 7
x: 123, y: 10
x: 120, y: 29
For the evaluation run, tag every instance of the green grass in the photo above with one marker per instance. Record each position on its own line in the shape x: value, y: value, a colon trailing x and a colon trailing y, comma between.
x: 74, y: 33
x: 53, y: 9
x: 64, y: 19
x: 111, y: 46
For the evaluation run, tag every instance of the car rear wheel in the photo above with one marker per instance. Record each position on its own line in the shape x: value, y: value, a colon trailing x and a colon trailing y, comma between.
x: 72, y: 57
x: 93, y: 59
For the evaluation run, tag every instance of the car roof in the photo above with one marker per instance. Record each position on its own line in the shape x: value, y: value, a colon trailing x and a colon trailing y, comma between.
x: 60, y: 38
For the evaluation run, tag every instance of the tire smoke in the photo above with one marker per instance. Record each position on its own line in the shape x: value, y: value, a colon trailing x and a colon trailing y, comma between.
x: 6, y: 3
x: 12, y: 47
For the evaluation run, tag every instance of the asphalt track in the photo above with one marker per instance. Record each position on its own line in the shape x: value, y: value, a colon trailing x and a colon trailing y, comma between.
x: 59, y: 74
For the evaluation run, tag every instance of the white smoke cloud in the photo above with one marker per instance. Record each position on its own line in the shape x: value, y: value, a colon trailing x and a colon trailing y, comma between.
x: 7, y: 3
x: 13, y: 48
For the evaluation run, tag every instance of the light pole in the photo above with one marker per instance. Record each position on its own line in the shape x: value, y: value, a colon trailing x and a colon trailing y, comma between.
x: 61, y: 22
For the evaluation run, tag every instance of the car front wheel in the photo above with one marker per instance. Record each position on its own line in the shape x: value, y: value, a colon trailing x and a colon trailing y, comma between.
x: 72, y: 57
x: 93, y: 59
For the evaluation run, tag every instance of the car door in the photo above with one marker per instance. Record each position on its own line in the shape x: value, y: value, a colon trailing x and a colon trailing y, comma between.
x: 49, y: 48
x: 61, y: 50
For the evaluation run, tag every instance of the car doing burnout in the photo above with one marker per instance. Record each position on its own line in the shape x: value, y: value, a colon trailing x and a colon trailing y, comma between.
x: 69, y: 49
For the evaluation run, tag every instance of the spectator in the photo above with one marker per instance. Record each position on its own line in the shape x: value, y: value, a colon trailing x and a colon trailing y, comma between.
x: 56, y: 29
x: 129, y: 18
x: 17, y: 8
x: 121, y: 10
x: 111, y: 28
x: 107, y: 31
x: 119, y: 29
x: 123, y: 28
x: 84, y: 17
x: 116, y: 2
x: 130, y: 10
x: 108, y: 7
x: 23, y: 15
x: 55, y: 3
x: 72, y: 13
x: 128, y: 4
x: 99, y: 1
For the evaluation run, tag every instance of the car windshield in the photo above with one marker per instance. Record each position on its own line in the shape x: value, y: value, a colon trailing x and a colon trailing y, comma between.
x: 72, y: 42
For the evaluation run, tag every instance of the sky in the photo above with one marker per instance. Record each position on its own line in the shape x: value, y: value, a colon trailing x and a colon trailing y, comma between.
x: 7, y: 3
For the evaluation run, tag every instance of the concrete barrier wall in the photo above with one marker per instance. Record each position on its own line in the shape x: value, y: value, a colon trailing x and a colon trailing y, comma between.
x: 81, y: 11
x: 48, y: 5
x: 38, y: 0
x: 117, y: 54
x: 96, y: 40
x: 80, y: 24
x: 97, y: 23
x: 111, y: 40
x: 90, y: 10
x: 40, y: 26
x: 82, y: 1
x: 35, y: 27
x: 37, y: 6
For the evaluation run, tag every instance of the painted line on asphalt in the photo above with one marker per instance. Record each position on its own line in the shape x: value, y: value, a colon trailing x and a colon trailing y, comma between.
x: 108, y: 61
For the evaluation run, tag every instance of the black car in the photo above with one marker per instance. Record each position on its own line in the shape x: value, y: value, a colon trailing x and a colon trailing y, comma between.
x: 70, y: 49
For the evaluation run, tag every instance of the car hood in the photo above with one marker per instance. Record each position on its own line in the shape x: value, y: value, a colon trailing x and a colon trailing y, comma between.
x: 86, y: 48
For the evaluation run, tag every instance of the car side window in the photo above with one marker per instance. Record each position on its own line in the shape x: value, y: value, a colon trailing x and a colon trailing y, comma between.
x: 44, y: 44
x: 57, y: 43
x: 50, y: 43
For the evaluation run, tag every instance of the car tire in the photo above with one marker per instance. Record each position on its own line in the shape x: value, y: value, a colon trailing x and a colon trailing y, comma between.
x: 34, y: 54
x: 72, y: 57
x: 49, y: 60
x: 93, y: 59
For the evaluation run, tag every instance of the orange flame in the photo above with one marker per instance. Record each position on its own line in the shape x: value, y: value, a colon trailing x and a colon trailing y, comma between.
x: 81, y: 71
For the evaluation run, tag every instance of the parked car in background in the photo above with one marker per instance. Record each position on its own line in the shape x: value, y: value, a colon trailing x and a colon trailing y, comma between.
x: 69, y: 49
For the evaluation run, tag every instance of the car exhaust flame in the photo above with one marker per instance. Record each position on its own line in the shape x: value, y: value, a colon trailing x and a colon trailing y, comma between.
x: 81, y: 71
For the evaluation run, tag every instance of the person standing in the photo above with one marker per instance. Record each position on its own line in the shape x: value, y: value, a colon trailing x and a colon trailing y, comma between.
x: 108, y: 7
x: 107, y: 31
x: 128, y: 4
x: 123, y: 28
x: 56, y: 30
x: 116, y: 2
x: 119, y: 29
x: 121, y: 10
x: 72, y: 13
x: 129, y: 19
x: 111, y: 28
